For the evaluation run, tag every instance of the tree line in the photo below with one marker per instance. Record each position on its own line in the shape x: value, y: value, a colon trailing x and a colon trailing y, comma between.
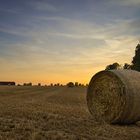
x: 135, y: 64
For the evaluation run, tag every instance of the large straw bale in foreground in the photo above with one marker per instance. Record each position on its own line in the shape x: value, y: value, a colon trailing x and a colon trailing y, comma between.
x: 114, y: 96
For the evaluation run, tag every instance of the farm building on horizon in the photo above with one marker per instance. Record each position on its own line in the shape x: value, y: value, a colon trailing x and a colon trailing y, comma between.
x: 7, y: 83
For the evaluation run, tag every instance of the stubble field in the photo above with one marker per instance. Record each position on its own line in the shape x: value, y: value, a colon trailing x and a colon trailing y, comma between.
x: 54, y: 113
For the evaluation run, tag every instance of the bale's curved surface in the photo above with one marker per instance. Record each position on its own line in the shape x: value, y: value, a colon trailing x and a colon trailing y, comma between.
x: 114, y: 96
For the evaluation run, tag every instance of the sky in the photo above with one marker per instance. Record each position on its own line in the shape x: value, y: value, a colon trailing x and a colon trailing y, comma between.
x: 57, y: 41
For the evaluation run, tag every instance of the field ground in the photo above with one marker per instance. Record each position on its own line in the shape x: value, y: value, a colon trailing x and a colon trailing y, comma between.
x: 54, y: 113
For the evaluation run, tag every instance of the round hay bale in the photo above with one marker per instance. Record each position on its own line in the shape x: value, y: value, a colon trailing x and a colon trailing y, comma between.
x: 114, y: 96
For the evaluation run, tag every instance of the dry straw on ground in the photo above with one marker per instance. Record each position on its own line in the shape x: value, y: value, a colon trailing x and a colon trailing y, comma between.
x: 114, y: 96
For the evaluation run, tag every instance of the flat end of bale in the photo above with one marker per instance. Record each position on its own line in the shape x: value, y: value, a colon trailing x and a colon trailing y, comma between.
x: 105, y: 97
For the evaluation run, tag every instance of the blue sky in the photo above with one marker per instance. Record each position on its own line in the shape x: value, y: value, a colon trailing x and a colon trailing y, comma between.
x: 65, y: 40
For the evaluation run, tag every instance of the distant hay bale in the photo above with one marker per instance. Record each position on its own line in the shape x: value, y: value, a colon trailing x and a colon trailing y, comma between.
x: 114, y: 96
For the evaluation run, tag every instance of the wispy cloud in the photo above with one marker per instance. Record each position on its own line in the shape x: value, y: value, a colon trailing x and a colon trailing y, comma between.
x: 13, y: 11
x: 13, y: 32
x: 43, y: 6
x: 89, y: 48
x: 127, y: 2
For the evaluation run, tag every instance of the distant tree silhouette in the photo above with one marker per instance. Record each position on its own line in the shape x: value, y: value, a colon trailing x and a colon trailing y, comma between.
x: 27, y: 84
x: 86, y: 85
x: 127, y: 66
x: 113, y: 66
x: 70, y: 84
x: 51, y: 84
x: 80, y: 84
x: 136, y: 59
x: 39, y: 84
x: 57, y: 84
x: 76, y: 84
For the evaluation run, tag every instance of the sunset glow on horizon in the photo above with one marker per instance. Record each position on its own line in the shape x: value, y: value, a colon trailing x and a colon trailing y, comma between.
x: 58, y: 41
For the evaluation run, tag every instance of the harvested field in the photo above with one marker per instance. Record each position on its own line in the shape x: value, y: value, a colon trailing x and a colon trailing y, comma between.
x: 54, y: 113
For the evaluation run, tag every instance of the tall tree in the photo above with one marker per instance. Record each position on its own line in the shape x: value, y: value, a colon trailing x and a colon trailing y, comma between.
x: 136, y: 59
